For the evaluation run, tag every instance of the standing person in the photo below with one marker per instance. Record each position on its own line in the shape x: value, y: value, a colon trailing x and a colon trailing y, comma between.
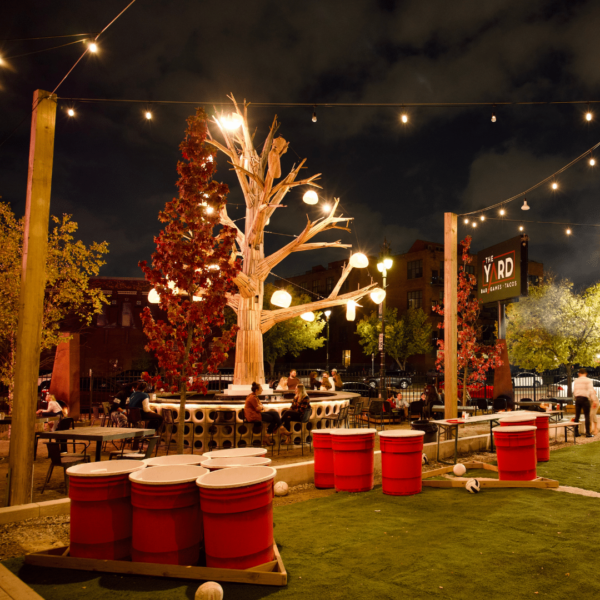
x: 254, y: 411
x: 325, y: 383
x: 583, y: 391
x: 300, y: 403
x: 337, y: 380
x: 314, y: 383
x: 117, y: 408
x: 292, y: 381
x: 139, y: 399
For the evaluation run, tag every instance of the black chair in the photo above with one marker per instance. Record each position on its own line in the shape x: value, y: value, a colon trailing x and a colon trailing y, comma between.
x: 379, y: 412
x: 354, y: 414
x: 499, y: 403
x: 303, y: 429
x: 340, y: 418
x: 57, y: 459
x: 134, y: 417
x: 62, y: 425
x: 416, y: 409
x: 141, y: 453
x: 482, y: 405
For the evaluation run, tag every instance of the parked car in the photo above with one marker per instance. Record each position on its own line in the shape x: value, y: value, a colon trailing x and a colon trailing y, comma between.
x: 527, y: 380
x: 357, y: 387
x: 562, y: 388
x: 398, y: 379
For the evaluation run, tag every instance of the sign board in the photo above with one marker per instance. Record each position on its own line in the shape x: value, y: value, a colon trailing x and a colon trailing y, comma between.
x: 501, y: 270
x: 381, y: 341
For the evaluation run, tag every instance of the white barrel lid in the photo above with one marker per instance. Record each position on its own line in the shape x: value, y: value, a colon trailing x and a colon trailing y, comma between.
x: 106, y: 468
x: 168, y: 475
x: 514, y: 429
x: 174, y: 459
x: 401, y: 433
x: 240, y: 461
x: 236, y: 477
x: 518, y: 418
x: 235, y: 452
x: 322, y: 431
x: 353, y: 431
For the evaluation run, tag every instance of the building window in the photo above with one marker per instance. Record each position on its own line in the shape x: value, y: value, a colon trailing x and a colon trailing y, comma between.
x: 329, y: 285
x: 346, y: 358
x: 343, y: 335
x: 470, y: 269
x: 415, y: 269
x: 126, y: 315
x: 315, y: 286
x: 415, y: 299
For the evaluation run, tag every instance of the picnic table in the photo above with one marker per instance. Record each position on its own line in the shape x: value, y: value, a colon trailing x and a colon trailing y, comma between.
x: 8, y: 420
x: 98, y: 435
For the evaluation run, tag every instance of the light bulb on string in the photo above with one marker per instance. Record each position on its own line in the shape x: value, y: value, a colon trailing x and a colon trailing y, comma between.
x: 494, y: 114
x: 466, y: 221
x: 310, y: 197
x: 554, y: 185
x: 592, y: 161
x: 93, y: 47
x: 314, y: 117
x: 148, y: 115
x: 404, y: 118
x: 482, y: 217
x: 525, y: 205
x: 502, y: 212
x: 326, y: 208
x: 568, y: 232
x: 474, y: 224
x: 588, y: 115
x: 521, y: 227
x: 71, y: 112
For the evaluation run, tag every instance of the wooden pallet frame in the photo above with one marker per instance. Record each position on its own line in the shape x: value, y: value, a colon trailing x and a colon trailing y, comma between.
x: 484, y: 482
x: 271, y: 573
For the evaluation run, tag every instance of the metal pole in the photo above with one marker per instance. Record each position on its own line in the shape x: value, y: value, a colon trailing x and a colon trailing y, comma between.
x: 91, y: 390
x: 382, y: 390
x: 327, y: 366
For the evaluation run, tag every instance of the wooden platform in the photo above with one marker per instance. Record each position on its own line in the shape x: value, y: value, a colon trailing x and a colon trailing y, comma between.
x: 12, y: 588
x: 484, y: 482
x: 271, y: 573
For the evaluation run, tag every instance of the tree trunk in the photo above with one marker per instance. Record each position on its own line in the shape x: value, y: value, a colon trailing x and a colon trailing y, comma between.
x: 181, y: 420
x: 464, y: 394
x: 272, y: 368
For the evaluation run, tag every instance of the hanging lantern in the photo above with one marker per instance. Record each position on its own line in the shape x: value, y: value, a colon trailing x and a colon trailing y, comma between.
x: 311, y: 197
x: 308, y: 316
x: 232, y: 121
x: 359, y: 261
x: 378, y: 295
x: 351, y: 310
x: 281, y: 298
x: 153, y: 296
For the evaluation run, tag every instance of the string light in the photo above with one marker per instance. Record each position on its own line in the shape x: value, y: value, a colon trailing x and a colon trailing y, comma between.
x: 568, y: 232
x: 314, y: 117
x: 588, y: 114
x: 93, y: 47
x: 404, y: 118
x: 521, y: 227
x: 148, y: 115
x: 554, y: 185
x: 482, y: 217
x: 326, y: 208
x: 1, y: 61
x: 466, y: 221
x: 502, y: 212
x: 592, y: 161
x: 474, y: 223
x: 71, y: 112
x: 525, y: 205
x: 494, y: 113
x: 209, y: 210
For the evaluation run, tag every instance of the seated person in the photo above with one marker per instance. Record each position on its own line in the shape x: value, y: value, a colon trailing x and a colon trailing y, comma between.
x: 117, y: 407
x: 139, y: 399
x: 338, y: 384
x: 254, y: 411
x: 325, y: 381
x: 314, y: 383
x: 400, y: 403
x: 292, y: 381
x: 300, y: 403
x: 54, y: 410
x: 283, y: 384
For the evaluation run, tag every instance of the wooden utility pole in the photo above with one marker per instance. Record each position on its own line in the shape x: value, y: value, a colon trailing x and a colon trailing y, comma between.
x: 450, y: 315
x: 31, y: 299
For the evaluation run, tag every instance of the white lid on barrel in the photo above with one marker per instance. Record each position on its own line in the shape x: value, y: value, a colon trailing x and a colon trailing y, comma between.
x: 353, y: 431
x: 236, y: 477
x: 174, y: 459
x: 235, y: 452
x: 514, y: 429
x: 168, y: 475
x: 518, y: 418
x: 106, y: 468
x: 401, y: 433
x: 322, y: 431
x: 240, y: 461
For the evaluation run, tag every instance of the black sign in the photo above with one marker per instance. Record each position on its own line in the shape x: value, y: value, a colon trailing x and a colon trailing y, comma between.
x: 500, y: 270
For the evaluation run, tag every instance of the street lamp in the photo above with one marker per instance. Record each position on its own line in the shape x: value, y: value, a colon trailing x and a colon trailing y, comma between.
x: 327, y: 315
x: 385, y: 263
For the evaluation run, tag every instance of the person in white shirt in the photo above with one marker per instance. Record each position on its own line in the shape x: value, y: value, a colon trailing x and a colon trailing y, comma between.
x: 584, y: 394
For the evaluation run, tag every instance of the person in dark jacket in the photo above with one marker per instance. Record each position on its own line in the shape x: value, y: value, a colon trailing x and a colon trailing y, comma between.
x: 314, y: 383
x: 139, y: 399
x: 118, y: 416
x: 300, y: 403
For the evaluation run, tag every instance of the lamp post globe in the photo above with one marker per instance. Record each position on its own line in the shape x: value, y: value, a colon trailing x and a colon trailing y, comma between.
x: 384, y: 264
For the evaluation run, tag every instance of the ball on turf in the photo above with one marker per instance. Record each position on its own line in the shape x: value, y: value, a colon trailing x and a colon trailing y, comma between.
x: 424, y: 459
x: 459, y: 469
x: 210, y: 590
x: 281, y: 488
x: 473, y: 486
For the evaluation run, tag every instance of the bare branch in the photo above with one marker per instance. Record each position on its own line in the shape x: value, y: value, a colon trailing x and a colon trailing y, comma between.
x: 319, y: 245
x: 224, y: 219
x: 338, y: 285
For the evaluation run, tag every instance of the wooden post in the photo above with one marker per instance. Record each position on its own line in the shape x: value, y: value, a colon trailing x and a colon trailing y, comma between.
x: 31, y: 299
x: 450, y: 315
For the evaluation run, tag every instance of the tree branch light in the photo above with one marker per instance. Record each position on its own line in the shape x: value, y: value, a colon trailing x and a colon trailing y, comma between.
x: 359, y: 261
x: 311, y: 197
x: 281, y: 298
x: 351, y: 310
x: 308, y: 316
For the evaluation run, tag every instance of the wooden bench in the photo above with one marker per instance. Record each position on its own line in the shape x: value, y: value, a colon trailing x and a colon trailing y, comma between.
x: 566, y: 425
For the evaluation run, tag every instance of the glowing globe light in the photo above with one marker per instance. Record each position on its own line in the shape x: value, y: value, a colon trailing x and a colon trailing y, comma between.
x: 359, y: 261
x: 588, y: 116
x: 308, y: 316
x: 71, y: 112
x: 311, y: 197
x: 148, y: 115
x: 351, y: 310
x: 93, y: 47
x: 592, y: 162
x: 232, y: 121
x: 404, y: 118
x: 153, y: 296
x: 281, y: 298
x: 377, y: 295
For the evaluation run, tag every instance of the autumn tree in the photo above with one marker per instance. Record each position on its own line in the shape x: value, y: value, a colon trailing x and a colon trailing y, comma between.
x: 294, y: 335
x: 405, y: 336
x: 193, y: 272
x: 69, y: 265
x: 475, y: 358
x: 554, y: 326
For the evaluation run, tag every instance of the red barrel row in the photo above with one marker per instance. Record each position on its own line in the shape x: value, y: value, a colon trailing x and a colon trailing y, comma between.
x: 542, y: 434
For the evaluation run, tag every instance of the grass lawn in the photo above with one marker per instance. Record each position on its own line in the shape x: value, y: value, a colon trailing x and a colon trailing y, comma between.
x: 442, y: 543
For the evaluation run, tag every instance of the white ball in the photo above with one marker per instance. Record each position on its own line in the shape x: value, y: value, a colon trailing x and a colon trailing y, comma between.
x: 424, y: 459
x: 210, y: 590
x: 473, y: 486
x: 281, y: 488
x: 459, y: 470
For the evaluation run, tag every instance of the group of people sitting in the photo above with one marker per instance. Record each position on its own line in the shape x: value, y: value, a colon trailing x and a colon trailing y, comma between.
x: 330, y: 383
x: 133, y: 396
x: 430, y: 397
x: 255, y: 412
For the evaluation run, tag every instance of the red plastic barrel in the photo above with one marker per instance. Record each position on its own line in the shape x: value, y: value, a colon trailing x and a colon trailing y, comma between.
x: 515, y: 447
x: 175, y: 459
x: 525, y: 418
x: 542, y: 436
x: 101, y: 509
x: 353, y: 459
x: 237, y: 511
x: 214, y: 464
x: 323, y: 458
x: 167, y: 522
x: 401, y: 461
x: 235, y: 453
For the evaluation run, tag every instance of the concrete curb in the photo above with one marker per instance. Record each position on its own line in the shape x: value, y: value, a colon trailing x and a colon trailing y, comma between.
x: 51, y: 508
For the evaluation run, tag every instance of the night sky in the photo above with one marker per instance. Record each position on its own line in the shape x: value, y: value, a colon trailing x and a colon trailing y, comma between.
x: 113, y: 170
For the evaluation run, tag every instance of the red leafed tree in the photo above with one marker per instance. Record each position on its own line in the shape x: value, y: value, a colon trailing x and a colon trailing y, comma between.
x: 474, y: 357
x: 193, y: 271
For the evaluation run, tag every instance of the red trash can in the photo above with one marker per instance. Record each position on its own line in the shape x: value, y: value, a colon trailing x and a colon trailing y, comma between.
x: 175, y: 459
x: 353, y: 459
x: 323, y: 458
x: 515, y: 447
x: 542, y: 435
x: 237, y: 512
x: 167, y: 522
x: 101, y: 509
x: 214, y: 464
x: 235, y: 453
x: 401, y: 461
x: 524, y: 418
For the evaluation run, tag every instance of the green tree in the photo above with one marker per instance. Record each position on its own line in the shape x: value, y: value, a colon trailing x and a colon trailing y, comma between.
x: 291, y: 336
x: 69, y: 265
x: 554, y: 326
x: 404, y: 337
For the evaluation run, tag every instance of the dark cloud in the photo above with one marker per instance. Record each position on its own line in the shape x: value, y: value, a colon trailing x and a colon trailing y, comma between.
x: 113, y: 170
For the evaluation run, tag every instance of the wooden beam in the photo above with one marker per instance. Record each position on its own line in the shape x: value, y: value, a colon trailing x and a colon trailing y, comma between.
x: 450, y: 315
x: 12, y: 588
x: 31, y: 299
